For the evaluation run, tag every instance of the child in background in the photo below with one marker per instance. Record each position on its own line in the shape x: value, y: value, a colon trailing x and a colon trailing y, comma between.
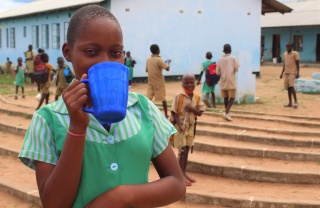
x: 44, y: 87
x: 63, y: 79
x: 185, y: 121
x: 93, y: 165
x: 206, y: 89
x: 8, y: 66
x: 129, y: 62
x: 39, y: 66
x: 156, y: 81
x: 19, y: 80
x: 227, y: 68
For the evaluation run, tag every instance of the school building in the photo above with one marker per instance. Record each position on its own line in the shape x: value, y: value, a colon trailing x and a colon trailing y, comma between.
x: 184, y: 29
x: 301, y: 27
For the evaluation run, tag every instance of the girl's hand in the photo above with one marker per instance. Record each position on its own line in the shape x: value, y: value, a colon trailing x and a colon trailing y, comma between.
x: 75, y: 97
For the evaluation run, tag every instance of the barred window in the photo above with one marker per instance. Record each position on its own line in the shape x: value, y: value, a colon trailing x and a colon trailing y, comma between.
x: 12, y: 37
x: 45, y: 36
x: 66, y: 26
x: 56, y: 35
x: 35, y: 36
x: 298, y: 43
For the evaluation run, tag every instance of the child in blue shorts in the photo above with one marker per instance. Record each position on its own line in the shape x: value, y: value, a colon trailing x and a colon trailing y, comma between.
x: 81, y: 163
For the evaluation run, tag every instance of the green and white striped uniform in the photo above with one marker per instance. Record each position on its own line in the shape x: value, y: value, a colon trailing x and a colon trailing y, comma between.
x: 121, y: 156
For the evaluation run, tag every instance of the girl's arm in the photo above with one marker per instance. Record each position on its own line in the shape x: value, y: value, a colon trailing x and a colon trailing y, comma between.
x: 166, y: 190
x: 58, y: 184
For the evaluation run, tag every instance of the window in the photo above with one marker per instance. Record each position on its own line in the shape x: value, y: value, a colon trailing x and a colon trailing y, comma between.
x: 7, y: 34
x: 298, y: 43
x: 0, y: 38
x: 66, y: 26
x: 35, y: 36
x: 45, y: 36
x: 12, y: 37
x: 24, y: 31
x: 56, y: 35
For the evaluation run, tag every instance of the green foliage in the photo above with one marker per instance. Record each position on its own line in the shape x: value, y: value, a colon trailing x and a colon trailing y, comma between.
x: 6, y: 84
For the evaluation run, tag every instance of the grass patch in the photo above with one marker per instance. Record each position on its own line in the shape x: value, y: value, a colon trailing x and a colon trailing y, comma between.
x: 27, y: 116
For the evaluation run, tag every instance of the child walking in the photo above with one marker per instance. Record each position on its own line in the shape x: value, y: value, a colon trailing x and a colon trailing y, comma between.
x: 81, y: 163
x: 19, y: 80
x: 227, y: 68
x: 206, y: 89
x: 44, y: 87
x: 184, y: 114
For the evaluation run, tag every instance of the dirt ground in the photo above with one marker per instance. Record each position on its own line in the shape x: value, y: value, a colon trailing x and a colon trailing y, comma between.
x: 270, y: 95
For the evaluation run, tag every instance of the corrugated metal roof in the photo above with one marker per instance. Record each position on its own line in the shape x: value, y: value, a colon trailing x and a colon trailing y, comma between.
x: 41, y: 6
x: 305, y: 13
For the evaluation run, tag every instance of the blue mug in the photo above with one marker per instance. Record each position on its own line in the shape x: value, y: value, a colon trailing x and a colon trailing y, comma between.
x: 109, y: 91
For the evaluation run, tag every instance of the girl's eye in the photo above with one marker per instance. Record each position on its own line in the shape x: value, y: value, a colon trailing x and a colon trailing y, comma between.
x: 91, y: 52
x: 117, y: 53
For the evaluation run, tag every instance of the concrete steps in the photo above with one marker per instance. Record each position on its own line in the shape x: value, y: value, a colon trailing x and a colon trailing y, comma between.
x: 236, y: 164
x: 225, y: 192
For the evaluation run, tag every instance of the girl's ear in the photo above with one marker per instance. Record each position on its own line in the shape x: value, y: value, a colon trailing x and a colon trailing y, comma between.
x: 66, y: 50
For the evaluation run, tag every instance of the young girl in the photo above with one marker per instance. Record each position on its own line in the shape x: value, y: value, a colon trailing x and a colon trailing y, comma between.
x: 129, y: 62
x: 81, y: 163
x: 206, y: 89
x: 19, y: 81
x: 44, y: 87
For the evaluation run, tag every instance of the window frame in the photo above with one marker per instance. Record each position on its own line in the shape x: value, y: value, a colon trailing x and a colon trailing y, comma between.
x: 298, y: 42
x: 45, y: 36
x: 56, y: 35
x: 35, y: 36
x: 65, y: 28
x: 12, y: 37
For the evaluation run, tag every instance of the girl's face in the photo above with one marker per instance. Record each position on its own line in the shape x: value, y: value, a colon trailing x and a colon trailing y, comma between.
x: 189, y: 83
x: 100, y: 41
x: 19, y: 61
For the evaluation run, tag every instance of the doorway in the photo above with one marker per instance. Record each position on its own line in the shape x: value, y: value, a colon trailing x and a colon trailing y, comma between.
x: 318, y: 48
x: 275, y: 46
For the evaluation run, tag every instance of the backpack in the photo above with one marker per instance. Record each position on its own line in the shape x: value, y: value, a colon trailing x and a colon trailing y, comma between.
x: 68, y: 74
x: 40, y: 76
x: 211, y: 77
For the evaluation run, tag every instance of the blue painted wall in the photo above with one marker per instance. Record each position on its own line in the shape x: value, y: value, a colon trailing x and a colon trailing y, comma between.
x: 286, y: 34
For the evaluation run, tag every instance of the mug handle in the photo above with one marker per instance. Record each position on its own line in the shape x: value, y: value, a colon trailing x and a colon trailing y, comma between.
x: 88, y: 110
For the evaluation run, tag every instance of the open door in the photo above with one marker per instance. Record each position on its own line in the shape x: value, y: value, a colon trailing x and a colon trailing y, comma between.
x: 276, y: 46
x: 318, y: 48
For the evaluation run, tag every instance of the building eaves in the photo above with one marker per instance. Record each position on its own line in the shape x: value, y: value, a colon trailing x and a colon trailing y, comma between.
x: 304, y: 14
x: 44, y: 6
x: 271, y: 6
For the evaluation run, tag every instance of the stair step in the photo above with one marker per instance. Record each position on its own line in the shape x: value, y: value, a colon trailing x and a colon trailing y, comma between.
x: 266, y: 122
x: 260, y: 137
x: 248, y: 149
x: 255, y: 169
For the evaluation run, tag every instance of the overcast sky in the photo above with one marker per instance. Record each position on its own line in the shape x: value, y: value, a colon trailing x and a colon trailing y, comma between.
x: 11, y: 4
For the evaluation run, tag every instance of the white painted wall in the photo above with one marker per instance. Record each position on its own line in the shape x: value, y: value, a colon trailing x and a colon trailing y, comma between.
x: 185, y: 37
